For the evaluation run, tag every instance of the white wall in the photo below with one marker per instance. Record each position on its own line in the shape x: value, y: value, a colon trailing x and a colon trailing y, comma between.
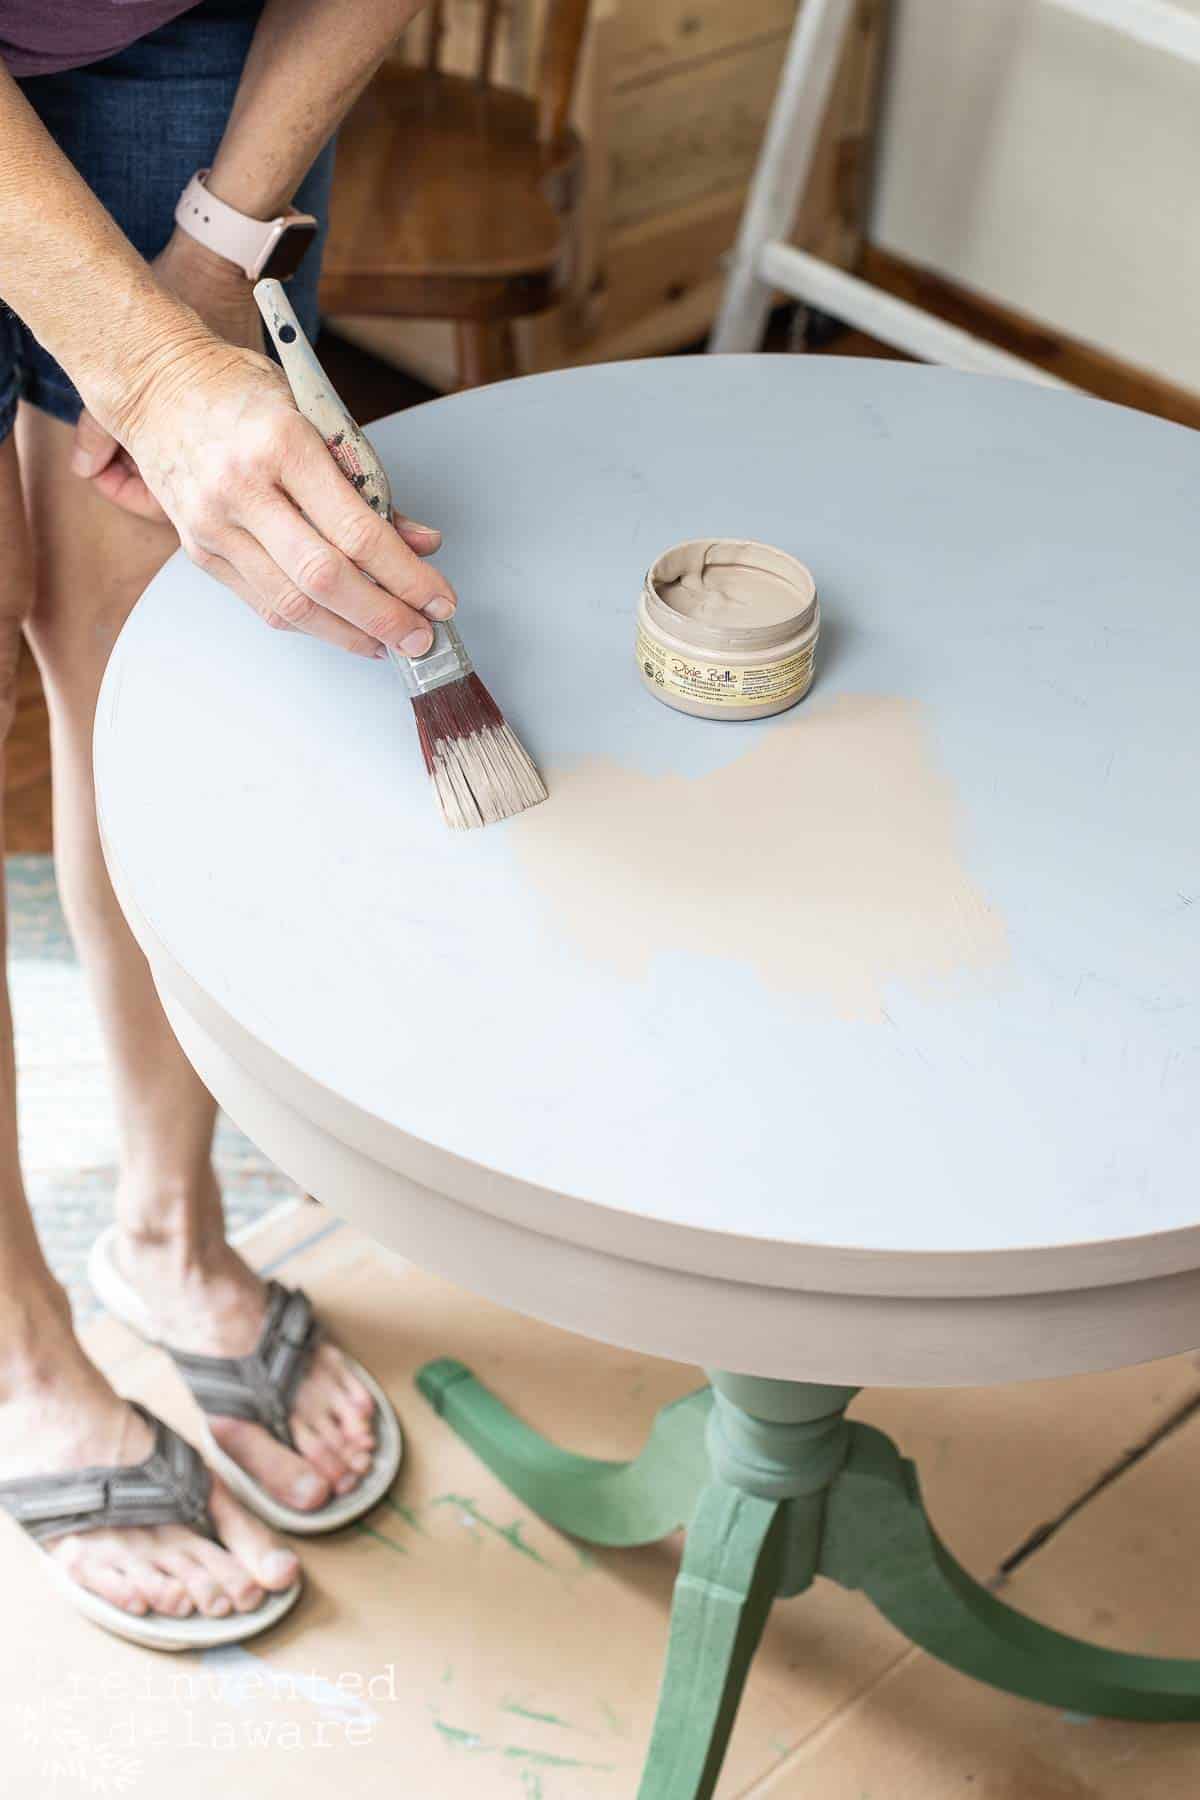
x: 1051, y: 163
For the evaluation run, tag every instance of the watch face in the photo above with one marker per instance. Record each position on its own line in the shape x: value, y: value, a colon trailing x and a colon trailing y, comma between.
x: 290, y: 251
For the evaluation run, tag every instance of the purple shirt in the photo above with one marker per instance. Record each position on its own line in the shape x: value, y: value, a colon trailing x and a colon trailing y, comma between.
x: 39, y: 37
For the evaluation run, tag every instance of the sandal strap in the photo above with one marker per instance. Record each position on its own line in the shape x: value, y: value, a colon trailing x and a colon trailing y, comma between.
x: 259, y: 1387
x: 170, y: 1487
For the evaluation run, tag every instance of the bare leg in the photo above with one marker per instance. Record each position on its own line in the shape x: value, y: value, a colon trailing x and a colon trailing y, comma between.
x: 57, y: 1411
x: 92, y: 563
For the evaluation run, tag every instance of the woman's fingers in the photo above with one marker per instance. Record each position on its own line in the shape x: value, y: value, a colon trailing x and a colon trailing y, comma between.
x: 253, y: 577
x: 121, y: 483
x: 98, y: 458
x: 93, y: 448
x: 342, y: 517
x: 258, y: 500
x: 325, y: 575
x: 424, y: 539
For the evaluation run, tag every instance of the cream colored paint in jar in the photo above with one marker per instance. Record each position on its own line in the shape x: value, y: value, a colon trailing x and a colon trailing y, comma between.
x: 727, y: 629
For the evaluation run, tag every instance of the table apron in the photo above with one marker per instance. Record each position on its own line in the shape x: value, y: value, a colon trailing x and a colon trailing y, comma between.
x: 904, y: 1341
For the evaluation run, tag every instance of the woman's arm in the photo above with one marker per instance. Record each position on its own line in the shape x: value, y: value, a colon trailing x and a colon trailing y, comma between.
x: 309, y: 62
x: 249, y: 485
x: 73, y: 276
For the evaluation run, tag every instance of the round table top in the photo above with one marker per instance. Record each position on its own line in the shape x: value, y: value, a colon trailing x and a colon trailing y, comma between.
x: 902, y: 982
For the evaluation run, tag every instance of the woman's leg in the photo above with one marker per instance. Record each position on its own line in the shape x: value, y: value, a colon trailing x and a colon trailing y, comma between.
x: 92, y: 562
x: 57, y: 1411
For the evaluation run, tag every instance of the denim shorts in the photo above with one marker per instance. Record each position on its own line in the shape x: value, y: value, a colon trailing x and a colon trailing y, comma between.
x: 137, y: 126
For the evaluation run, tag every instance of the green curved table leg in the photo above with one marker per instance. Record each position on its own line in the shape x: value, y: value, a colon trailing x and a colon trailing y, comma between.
x: 877, y: 1537
x: 728, y: 1580
x: 613, y: 1503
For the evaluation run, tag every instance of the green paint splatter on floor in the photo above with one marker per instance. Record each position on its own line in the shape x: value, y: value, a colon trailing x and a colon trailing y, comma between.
x: 616, y: 1725
x: 540, y: 1718
x: 780, y: 1746
x: 369, y: 1531
x: 404, y: 1512
x: 532, y: 1785
x: 447, y: 1674
x: 510, y: 1533
x: 460, y: 1739
x: 544, y: 1759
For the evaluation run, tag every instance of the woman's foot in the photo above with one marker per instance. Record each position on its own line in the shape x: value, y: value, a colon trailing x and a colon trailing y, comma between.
x: 205, y: 1299
x: 58, y: 1413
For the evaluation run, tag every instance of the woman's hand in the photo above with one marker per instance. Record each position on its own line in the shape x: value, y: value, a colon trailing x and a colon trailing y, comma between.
x: 224, y: 299
x: 212, y: 441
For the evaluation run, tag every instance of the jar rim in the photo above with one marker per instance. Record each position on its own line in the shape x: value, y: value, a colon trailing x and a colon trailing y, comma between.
x: 694, y: 555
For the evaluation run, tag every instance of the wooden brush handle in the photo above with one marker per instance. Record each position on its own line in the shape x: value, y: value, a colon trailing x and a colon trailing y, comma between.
x: 315, y: 397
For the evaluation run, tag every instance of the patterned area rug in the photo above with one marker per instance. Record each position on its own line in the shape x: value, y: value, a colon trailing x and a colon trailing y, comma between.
x: 68, y: 1130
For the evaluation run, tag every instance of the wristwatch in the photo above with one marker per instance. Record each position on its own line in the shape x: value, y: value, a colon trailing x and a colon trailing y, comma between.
x: 258, y: 246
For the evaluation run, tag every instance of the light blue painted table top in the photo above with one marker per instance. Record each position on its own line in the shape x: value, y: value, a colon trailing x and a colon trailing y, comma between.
x: 1014, y: 568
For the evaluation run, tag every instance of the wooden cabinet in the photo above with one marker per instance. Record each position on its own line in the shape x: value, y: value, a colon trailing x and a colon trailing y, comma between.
x: 672, y: 100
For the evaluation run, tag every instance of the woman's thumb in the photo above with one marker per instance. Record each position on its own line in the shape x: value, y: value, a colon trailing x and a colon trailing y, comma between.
x: 93, y: 449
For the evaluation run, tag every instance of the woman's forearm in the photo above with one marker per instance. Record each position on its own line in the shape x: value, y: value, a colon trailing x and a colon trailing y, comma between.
x: 309, y: 61
x: 69, y: 271
x: 72, y: 274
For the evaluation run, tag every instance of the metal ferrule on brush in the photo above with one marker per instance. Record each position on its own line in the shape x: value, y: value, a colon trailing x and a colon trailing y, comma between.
x: 446, y: 660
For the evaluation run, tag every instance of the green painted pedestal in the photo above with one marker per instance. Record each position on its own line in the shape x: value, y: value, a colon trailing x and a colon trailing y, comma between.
x: 776, y: 1486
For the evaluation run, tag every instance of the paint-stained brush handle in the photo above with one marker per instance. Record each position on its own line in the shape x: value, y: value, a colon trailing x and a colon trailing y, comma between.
x: 315, y: 397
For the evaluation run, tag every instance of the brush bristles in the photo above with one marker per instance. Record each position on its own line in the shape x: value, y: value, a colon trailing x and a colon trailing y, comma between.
x: 481, y: 772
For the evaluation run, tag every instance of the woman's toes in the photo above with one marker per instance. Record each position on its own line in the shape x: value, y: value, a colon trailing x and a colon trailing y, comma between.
x: 171, y: 1597
x: 331, y: 1389
x: 339, y: 1383
x: 112, y: 1585
x: 251, y: 1542
x: 355, y: 1394
x: 284, y: 1474
x: 162, y: 1590
x: 330, y: 1402
x: 320, y: 1444
x: 355, y: 1428
x: 84, y: 1564
x: 138, y: 1552
x: 205, y: 1590
x: 357, y: 1452
x: 230, y: 1575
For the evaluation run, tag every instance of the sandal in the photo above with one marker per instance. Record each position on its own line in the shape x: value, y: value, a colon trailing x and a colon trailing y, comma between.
x: 260, y: 1387
x: 169, y: 1487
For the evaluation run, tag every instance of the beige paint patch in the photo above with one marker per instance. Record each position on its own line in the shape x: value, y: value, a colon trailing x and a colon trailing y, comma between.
x: 827, y: 857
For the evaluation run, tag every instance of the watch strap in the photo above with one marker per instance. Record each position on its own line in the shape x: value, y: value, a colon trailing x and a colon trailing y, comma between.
x: 230, y: 233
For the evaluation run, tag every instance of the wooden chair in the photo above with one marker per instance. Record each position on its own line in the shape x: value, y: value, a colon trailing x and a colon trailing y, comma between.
x: 456, y: 199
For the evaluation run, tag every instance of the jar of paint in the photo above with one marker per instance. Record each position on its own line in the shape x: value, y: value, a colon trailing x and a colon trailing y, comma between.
x: 727, y: 629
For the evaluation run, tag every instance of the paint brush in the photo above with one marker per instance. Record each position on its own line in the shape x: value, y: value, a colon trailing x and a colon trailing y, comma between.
x: 481, y: 772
